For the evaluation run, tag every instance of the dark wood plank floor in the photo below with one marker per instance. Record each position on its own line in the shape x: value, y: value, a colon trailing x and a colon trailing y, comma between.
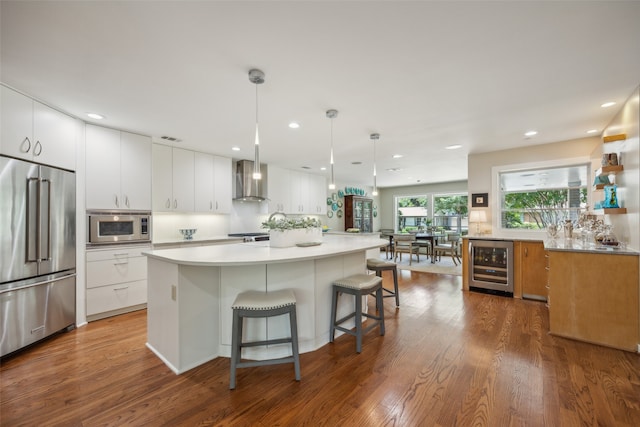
x: 448, y: 358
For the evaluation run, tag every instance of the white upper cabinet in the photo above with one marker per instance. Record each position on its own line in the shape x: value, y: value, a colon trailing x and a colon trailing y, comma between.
x: 135, y: 163
x: 162, y: 173
x: 173, y: 179
x: 222, y: 177
x: 187, y: 181
x: 295, y: 192
x: 32, y: 131
x: 118, y: 170
x: 278, y: 190
x: 203, y: 182
x: 317, y: 194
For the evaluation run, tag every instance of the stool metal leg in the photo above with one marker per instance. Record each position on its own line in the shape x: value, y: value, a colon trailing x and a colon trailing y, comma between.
x: 236, y: 337
x: 359, y: 322
x: 334, y: 303
x: 395, y: 286
x: 380, y: 305
x: 294, y: 341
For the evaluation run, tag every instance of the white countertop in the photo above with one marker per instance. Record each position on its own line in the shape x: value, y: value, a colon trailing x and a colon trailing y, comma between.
x: 261, y: 253
x: 197, y: 240
x: 575, y: 245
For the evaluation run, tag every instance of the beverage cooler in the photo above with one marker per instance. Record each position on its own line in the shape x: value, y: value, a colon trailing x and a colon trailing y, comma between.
x: 491, y: 266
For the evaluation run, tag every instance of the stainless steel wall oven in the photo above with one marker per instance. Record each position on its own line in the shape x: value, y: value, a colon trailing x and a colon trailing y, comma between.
x: 110, y: 228
x: 491, y: 266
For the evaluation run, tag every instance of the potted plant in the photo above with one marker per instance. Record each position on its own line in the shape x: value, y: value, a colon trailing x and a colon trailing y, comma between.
x: 286, y: 232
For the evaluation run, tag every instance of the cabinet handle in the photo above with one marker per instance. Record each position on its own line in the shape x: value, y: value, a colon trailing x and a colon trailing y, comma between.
x: 122, y: 254
x: 28, y: 141
x: 126, y: 201
x: 36, y: 151
x: 526, y: 252
x: 210, y: 205
x: 546, y: 268
x: 175, y: 203
x: 117, y: 201
x: 216, y: 205
x: 168, y: 204
x: 121, y: 289
x: 121, y: 263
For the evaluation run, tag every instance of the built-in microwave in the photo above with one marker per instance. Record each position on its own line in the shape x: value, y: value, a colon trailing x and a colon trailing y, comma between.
x: 118, y: 227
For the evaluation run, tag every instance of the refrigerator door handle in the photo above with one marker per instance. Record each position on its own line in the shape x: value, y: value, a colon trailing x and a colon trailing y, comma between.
x: 28, y: 226
x: 49, y: 184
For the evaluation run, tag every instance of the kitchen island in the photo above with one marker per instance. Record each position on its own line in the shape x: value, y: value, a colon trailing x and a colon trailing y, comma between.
x: 190, y: 292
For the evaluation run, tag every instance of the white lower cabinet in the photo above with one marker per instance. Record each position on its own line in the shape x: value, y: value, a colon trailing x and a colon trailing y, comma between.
x: 116, y: 280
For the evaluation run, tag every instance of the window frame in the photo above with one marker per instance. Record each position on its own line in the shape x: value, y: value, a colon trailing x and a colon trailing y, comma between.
x: 495, y: 202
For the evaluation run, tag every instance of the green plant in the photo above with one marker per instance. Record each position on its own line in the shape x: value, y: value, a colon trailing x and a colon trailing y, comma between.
x: 291, y: 223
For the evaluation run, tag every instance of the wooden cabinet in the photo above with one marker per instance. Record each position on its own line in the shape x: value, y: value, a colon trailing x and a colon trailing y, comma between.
x: 358, y: 213
x: 531, y: 271
x: 35, y: 132
x: 118, y: 170
x: 173, y: 179
x: 116, y: 281
x: 594, y: 298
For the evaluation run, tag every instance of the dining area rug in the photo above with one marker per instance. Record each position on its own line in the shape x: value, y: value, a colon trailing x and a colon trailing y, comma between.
x: 443, y: 266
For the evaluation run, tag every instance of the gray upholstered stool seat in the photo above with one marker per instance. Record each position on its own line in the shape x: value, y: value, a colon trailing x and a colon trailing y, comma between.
x: 379, y: 265
x: 358, y: 285
x: 263, y: 304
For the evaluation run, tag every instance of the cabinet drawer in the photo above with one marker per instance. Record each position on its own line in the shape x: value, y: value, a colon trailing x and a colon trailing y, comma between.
x: 113, y: 297
x: 109, y: 272
x: 119, y: 254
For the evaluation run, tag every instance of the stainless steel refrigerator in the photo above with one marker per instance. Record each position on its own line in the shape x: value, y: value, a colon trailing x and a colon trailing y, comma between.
x: 37, y: 252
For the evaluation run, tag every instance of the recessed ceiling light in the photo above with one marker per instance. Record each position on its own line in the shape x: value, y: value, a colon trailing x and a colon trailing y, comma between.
x: 95, y: 116
x: 453, y: 147
x: 235, y: 148
x: 592, y: 131
x: 531, y: 133
x: 323, y: 168
x: 397, y: 156
x: 608, y: 104
x: 294, y: 125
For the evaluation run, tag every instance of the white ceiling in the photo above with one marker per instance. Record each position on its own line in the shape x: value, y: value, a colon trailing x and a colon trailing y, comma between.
x: 422, y: 74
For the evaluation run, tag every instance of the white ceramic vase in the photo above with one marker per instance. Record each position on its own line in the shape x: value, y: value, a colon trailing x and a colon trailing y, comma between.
x: 288, y: 238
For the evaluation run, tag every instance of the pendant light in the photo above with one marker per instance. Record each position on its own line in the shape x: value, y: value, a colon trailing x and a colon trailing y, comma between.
x: 256, y: 77
x: 374, y: 137
x: 332, y: 114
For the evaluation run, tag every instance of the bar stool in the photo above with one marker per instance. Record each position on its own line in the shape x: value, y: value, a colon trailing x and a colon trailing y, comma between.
x: 358, y: 285
x: 263, y: 304
x: 378, y: 265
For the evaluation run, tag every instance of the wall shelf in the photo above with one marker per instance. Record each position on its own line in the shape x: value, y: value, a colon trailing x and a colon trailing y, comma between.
x: 611, y: 211
x: 611, y: 138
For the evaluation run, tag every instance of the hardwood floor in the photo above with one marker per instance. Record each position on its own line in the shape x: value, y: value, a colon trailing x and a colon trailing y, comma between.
x: 448, y: 358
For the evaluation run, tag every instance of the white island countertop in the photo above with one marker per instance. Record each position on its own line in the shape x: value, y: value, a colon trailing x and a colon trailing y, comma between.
x: 250, y: 253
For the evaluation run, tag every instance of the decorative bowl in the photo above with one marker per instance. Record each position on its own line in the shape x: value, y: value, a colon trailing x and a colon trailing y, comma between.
x: 188, y: 233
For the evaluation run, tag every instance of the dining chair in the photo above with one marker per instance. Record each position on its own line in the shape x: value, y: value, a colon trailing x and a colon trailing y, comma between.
x: 451, y: 246
x: 405, y: 243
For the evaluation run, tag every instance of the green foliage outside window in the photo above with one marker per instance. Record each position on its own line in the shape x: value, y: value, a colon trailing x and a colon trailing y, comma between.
x: 537, y: 209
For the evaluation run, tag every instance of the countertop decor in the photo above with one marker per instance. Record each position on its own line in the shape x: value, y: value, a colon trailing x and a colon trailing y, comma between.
x: 287, y: 232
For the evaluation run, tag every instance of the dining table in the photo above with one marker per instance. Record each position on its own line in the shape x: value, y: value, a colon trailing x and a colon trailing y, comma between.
x: 430, y: 239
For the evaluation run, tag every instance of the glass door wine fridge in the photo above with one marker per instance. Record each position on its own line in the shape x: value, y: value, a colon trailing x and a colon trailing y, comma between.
x: 491, y: 266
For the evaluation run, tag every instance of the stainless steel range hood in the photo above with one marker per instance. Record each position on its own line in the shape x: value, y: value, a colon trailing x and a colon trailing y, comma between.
x: 247, y: 188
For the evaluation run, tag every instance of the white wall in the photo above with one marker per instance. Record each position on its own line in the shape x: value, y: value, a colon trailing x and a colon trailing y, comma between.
x: 481, y: 168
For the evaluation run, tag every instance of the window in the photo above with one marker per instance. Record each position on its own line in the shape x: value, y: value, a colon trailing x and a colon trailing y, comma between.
x: 535, y: 198
x: 450, y: 212
x: 412, y: 213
